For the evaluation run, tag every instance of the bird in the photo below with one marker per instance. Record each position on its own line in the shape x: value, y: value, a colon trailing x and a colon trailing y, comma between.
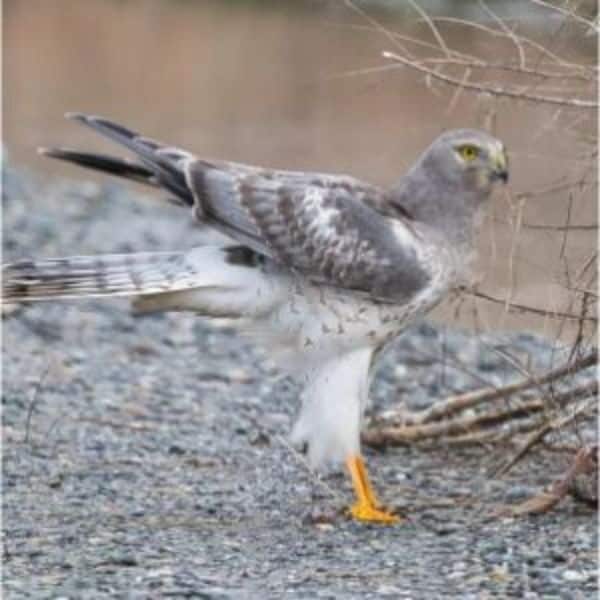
x: 324, y: 270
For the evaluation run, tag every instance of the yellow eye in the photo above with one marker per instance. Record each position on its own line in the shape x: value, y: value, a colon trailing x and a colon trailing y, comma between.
x: 468, y: 152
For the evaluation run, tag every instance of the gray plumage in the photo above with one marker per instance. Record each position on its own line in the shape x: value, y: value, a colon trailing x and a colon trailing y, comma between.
x: 323, y: 268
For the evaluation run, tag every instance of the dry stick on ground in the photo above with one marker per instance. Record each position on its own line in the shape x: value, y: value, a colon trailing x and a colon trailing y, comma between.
x: 585, y: 462
x: 558, y: 423
x: 133, y: 426
x: 381, y: 436
x: 507, y: 435
x: 403, y: 434
x: 460, y: 402
x: 35, y: 390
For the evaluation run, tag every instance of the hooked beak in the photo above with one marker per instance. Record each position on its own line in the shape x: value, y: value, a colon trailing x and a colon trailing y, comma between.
x: 500, y: 164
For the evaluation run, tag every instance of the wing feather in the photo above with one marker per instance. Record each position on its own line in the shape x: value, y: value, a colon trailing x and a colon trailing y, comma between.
x: 323, y: 226
x: 332, y: 229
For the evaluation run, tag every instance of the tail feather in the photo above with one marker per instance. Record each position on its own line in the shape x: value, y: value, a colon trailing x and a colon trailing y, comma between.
x: 108, y: 275
x: 160, y: 165
x: 112, y: 165
x: 218, y: 281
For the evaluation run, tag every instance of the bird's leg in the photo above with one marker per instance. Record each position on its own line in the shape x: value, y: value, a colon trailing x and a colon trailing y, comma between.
x: 366, y: 507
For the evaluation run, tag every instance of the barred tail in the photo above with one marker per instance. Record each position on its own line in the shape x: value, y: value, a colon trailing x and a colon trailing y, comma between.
x: 219, y: 281
x: 94, y: 276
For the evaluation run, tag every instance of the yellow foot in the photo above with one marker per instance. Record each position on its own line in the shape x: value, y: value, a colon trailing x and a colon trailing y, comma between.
x: 367, y: 507
x: 362, y: 511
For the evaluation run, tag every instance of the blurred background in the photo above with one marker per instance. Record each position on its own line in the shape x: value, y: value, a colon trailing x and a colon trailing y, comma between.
x: 304, y: 85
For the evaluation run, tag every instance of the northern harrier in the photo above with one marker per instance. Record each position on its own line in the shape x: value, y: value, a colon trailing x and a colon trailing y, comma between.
x: 322, y: 269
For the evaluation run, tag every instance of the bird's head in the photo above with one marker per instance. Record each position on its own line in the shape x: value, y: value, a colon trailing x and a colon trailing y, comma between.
x: 468, y: 160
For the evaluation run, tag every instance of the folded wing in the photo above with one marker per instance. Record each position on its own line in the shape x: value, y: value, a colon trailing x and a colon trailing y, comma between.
x: 334, y: 230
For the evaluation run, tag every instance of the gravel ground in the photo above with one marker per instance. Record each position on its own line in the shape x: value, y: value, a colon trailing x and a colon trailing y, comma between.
x: 147, y: 457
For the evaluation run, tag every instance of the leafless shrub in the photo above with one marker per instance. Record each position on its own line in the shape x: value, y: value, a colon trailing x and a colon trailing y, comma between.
x: 533, y: 73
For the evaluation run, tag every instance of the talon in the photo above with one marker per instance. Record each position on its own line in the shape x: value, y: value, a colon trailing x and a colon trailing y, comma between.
x: 371, y: 514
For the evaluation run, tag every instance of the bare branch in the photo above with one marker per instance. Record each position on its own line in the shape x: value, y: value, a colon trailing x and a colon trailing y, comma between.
x: 569, y: 14
x: 553, y: 314
x: 460, y: 402
x: 525, y: 41
x: 538, y: 435
x: 436, y: 33
x: 377, y: 25
x: 509, y: 33
x: 585, y: 462
x: 580, y: 227
x: 491, y: 89
x: 405, y: 434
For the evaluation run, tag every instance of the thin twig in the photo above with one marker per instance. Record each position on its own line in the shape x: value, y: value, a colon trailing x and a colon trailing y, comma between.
x: 591, y: 227
x: 491, y: 89
x: 585, y: 462
x: 538, y: 435
x: 305, y: 464
x: 115, y: 424
x: 33, y: 401
x: 554, y: 314
x: 405, y: 434
x: 455, y: 404
x: 526, y: 41
x: 377, y: 25
x: 509, y: 33
x: 434, y: 30
x: 507, y: 434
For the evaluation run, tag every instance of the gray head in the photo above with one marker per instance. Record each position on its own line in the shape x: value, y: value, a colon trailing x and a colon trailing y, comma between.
x: 467, y: 160
x: 452, y: 179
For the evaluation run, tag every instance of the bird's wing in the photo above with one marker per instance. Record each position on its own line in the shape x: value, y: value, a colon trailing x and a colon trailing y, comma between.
x: 332, y: 229
x: 322, y: 226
